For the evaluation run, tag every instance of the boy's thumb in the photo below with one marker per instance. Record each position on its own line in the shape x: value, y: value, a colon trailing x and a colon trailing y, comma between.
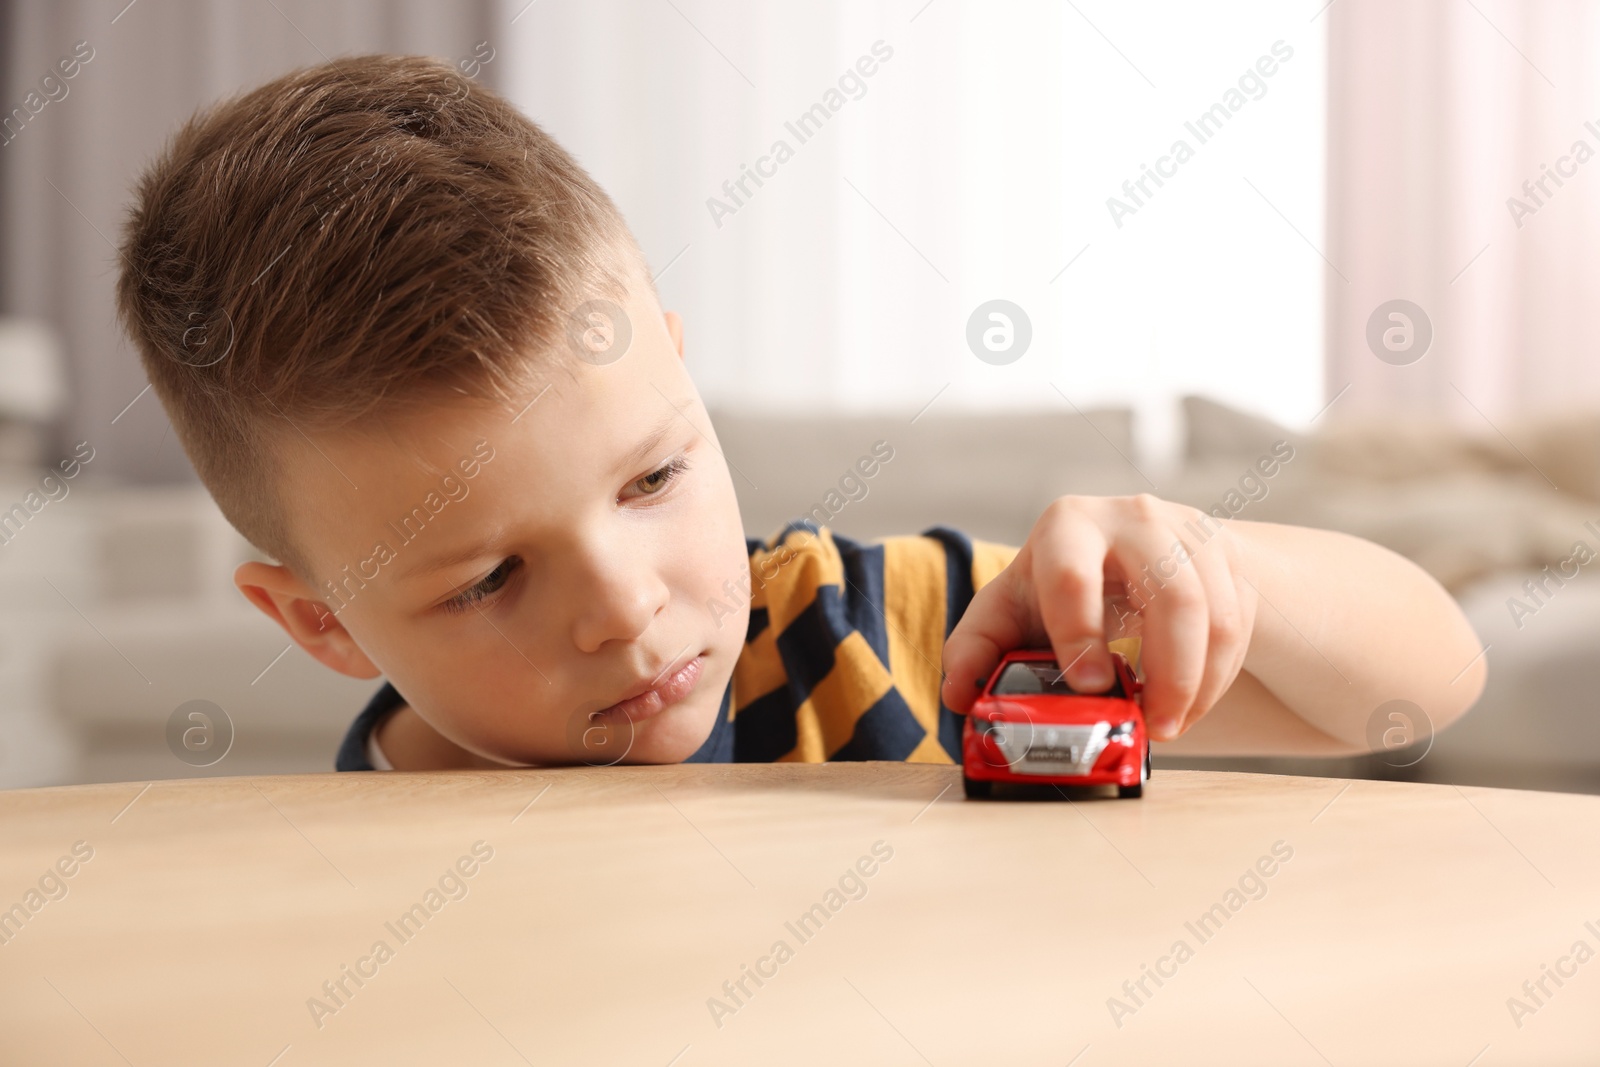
x: 994, y: 623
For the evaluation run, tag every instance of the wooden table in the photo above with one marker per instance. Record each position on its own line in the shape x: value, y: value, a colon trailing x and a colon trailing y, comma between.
x: 605, y: 910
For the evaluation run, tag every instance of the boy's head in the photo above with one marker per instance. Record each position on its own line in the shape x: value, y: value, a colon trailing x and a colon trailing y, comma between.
x: 415, y: 355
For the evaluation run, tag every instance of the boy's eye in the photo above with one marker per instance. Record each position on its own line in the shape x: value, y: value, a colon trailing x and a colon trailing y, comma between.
x: 657, y: 480
x: 488, y: 586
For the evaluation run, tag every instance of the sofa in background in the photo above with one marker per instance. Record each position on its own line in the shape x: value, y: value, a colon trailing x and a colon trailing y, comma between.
x: 118, y: 603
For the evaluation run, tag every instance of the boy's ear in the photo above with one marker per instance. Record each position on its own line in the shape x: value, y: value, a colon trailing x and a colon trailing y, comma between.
x: 290, y: 603
x: 675, y: 328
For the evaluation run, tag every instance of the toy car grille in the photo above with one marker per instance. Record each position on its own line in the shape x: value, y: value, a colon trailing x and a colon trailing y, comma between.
x: 1038, y: 748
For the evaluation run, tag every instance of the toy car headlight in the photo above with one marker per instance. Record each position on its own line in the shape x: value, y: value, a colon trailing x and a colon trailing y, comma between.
x: 982, y: 726
x: 1121, y: 733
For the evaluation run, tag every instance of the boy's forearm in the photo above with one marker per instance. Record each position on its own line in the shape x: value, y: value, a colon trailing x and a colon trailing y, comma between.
x: 1343, y: 626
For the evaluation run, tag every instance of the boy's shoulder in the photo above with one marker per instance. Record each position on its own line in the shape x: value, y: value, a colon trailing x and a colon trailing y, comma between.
x: 841, y: 658
x: 919, y: 582
x: 939, y: 555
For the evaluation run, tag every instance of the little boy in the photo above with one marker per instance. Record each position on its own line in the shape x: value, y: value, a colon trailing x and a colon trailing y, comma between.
x: 415, y: 355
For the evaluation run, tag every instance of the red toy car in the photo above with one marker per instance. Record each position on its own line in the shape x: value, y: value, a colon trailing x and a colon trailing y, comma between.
x: 1029, y: 727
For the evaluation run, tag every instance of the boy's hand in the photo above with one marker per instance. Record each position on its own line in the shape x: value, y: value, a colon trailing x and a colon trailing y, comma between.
x: 1177, y: 567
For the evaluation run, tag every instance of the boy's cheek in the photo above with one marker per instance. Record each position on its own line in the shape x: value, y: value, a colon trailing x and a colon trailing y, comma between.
x: 483, y: 719
x: 713, y: 566
x: 458, y: 683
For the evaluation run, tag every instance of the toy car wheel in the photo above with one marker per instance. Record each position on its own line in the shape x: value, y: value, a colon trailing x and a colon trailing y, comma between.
x: 977, y: 789
x: 1130, y: 791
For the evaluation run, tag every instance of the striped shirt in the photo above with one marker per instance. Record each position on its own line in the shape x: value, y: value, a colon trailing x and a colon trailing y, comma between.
x: 842, y: 657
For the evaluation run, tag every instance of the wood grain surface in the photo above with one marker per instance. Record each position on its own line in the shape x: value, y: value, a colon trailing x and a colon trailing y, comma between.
x: 610, y: 915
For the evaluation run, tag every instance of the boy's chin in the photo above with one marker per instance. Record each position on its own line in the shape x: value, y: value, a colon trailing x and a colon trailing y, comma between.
x: 674, y: 735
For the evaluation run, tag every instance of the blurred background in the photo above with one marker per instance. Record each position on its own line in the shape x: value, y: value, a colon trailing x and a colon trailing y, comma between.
x: 1039, y: 249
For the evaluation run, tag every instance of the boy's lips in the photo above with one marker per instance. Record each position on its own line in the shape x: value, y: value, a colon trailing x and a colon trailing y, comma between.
x: 651, y: 698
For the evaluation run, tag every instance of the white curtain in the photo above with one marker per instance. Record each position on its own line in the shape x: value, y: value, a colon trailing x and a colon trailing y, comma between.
x: 1439, y: 112
x: 70, y: 169
x: 976, y: 164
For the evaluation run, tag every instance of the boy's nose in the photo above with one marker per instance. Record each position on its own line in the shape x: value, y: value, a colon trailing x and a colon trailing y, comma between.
x: 615, y: 598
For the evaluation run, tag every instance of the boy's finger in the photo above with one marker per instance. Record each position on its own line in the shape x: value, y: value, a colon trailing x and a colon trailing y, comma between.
x: 995, y: 622
x: 1068, y: 575
x: 1226, y: 637
x: 1172, y: 599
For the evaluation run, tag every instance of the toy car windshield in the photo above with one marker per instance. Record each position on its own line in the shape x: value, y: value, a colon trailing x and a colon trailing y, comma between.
x: 1042, y: 677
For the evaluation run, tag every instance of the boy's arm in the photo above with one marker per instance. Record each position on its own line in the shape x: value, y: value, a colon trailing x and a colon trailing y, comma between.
x: 1342, y: 627
x: 1257, y: 638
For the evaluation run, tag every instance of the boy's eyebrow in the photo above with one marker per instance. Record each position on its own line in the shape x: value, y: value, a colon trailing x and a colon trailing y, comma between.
x: 450, y: 559
x: 648, y: 445
x: 479, y: 549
